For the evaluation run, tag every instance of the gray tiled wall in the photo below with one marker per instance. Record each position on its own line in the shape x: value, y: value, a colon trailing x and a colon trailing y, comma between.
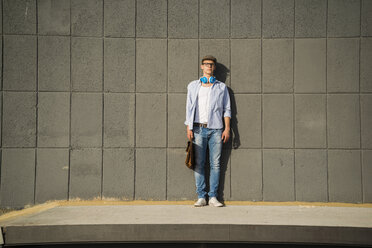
x: 93, y: 96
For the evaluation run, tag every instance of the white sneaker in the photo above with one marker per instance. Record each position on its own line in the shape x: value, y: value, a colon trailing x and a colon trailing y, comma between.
x: 200, y: 203
x: 214, y: 202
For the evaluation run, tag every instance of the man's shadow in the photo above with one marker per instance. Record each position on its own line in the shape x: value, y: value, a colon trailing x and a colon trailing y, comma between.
x: 221, y: 73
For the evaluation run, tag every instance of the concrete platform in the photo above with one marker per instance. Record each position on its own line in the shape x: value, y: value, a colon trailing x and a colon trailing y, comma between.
x: 299, y: 224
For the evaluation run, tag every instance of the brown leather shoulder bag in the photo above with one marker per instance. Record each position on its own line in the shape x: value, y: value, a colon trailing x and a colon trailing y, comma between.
x: 190, y: 155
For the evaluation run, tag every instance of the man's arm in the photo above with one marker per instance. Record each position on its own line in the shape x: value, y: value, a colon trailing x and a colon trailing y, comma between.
x: 189, y: 131
x: 188, y: 105
x: 227, y: 123
x: 226, y: 115
x: 190, y: 134
x: 226, y: 104
x: 226, y: 133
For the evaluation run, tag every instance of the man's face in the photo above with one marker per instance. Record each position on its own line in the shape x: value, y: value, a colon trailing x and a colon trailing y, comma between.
x: 208, y: 66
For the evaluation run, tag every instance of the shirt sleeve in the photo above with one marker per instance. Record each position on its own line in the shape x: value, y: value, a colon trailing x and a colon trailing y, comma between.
x: 226, y: 103
x: 188, y: 109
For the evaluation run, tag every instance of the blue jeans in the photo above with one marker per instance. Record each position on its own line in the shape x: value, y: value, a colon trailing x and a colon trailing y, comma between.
x: 204, y: 137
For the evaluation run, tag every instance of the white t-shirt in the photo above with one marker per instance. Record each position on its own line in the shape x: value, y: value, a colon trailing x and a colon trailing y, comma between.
x: 201, y: 111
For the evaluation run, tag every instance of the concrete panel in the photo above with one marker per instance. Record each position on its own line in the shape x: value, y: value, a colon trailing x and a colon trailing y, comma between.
x: 367, y: 175
x: 310, y: 65
x: 176, y: 118
x: 246, y: 66
x: 151, y: 20
x: 86, y: 64
x: 119, y: 18
x: 19, y: 17
x: 178, y: 12
x: 119, y: 65
x: 366, y: 120
x: 1, y: 17
x: 118, y: 173
x: 180, y: 179
x: 344, y: 176
x: 183, y: 64
x: 221, y: 50
x: 311, y: 175
x: 1, y: 114
x: 365, y: 65
x: 343, y: 118
x: 310, y: 18
x: 278, y: 121
x: 310, y: 121
x: 343, y: 65
x: 151, y: 126
x: 366, y: 18
x: 151, y: 61
x: 277, y: 65
x: 278, y: 175
x: 248, y: 116
x: 1, y: 62
x: 343, y: 18
x: 17, y: 177
x: 86, y: 120
x: 245, y: 18
x: 86, y: 17
x: 246, y: 175
x: 53, y: 119
x: 214, y: 18
x: 53, y: 17
x: 288, y: 235
x: 19, y: 71
x: 151, y: 173
x: 19, y: 119
x: 52, y: 175
x: 119, y: 120
x: 224, y: 187
x: 85, y: 173
x: 53, y: 63
x: 278, y: 18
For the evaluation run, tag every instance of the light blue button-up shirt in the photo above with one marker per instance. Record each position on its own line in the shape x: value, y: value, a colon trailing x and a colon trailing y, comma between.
x: 219, y: 106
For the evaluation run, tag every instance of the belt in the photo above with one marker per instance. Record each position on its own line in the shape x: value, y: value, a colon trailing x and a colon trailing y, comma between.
x: 200, y: 124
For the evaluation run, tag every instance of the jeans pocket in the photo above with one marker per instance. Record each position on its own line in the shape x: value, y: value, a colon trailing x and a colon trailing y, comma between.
x: 196, y: 130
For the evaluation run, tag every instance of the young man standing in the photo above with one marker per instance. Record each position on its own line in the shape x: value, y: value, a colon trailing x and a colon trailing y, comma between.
x: 208, y: 104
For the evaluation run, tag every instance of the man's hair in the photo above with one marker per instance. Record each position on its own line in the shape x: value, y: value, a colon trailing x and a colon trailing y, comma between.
x: 209, y: 57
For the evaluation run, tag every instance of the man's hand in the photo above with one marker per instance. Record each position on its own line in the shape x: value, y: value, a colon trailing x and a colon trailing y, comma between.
x: 190, y: 134
x: 225, y: 135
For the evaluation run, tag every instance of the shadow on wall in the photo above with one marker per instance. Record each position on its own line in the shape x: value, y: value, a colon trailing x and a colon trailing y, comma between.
x: 221, y: 74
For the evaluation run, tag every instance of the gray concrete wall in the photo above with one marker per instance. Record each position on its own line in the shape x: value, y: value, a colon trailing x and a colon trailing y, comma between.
x: 93, y: 98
